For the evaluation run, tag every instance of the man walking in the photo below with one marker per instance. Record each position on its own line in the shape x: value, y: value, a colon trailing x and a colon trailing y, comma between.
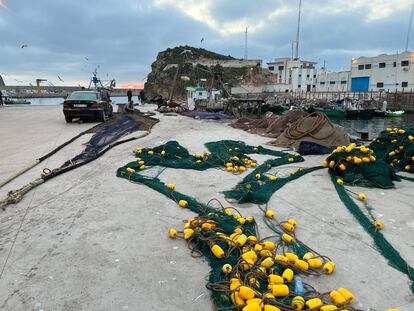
x: 129, y: 95
x: 1, y: 99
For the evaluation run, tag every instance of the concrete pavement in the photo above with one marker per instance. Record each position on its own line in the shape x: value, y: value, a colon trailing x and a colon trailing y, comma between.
x: 92, y: 241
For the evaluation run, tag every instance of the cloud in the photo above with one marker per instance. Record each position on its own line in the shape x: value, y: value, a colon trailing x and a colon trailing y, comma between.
x: 124, y: 37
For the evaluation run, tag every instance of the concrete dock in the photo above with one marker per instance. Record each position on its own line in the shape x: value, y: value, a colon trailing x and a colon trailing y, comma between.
x: 93, y: 241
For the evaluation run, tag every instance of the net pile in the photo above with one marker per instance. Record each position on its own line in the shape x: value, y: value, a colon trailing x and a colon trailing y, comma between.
x: 396, y: 147
x: 315, y: 128
x: 247, y: 273
x: 270, y: 125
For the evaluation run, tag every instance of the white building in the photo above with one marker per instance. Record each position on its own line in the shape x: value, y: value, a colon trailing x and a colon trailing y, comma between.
x: 293, y: 75
x: 383, y: 72
x: 333, y: 81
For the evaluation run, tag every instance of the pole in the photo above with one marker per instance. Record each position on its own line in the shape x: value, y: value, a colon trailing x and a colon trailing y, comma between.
x: 245, y: 44
x: 409, y: 28
x: 298, y: 31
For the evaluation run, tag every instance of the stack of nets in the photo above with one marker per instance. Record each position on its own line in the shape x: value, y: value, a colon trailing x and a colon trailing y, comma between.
x: 315, y: 128
x: 396, y: 147
x: 359, y: 166
x: 270, y: 125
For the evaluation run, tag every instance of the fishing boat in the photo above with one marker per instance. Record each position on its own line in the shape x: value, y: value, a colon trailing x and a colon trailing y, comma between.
x: 391, y: 114
x: 10, y: 101
x: 332, y: 113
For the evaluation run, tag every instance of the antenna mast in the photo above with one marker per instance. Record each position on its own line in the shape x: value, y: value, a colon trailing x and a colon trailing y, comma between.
x: 409, y: 28
x: 298, y: 31
x: 245, y: 44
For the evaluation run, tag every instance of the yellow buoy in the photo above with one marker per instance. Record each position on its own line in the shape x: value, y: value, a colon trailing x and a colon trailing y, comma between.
x: 349, y: 297
x: 280, y: 290
x: 171, y: 186
x: 270, y: 214
x: 290, y: 160
x: 250, y: 255
x: 298, y: 303
x: 340, y: 181
x: 217, y: 251
x: 287, y: 275
x: 301, y: 264
x: 275, y: 279
x: 362, y: 197
x: 342, y: 167
x: 315, y: 263
x: 227, y: 268
x: 378, y: 224
x: 314, y: 303
x: 163, y: 153
x: 292, y: 257
x: 307, y: 256
x: 272, y: 177
x: 242, y: 169
x: 142, y: 167
x: 287, y: 238
x: 130, y: 170
x: 246, y: 293
x: 183, y: 203
x: 292, y: 222
x: 236, y: 299
x: 328, y: 308
x: 241, y: 239
x: 252, y: 307
x: 172, y: 233
x: 337, y: 298
x: 268, y: 245
x: 270, y: 308
x: 150, y: 152
x: 267, y: 263
x: 288, y: 227
x: 329, y: 267
x: 141, y: 162
x: 282, y: 260
x: 258, y: 176
x: 325, y: 164
x: 188, y: 233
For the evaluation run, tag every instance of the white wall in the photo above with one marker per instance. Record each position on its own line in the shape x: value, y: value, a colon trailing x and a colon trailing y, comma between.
x: 391, y: 77
x: 333, y: 81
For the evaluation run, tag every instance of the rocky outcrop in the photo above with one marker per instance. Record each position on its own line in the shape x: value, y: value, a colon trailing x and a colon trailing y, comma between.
x: 196, y: 67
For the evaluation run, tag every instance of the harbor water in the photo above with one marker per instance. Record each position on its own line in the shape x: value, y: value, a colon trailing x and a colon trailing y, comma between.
x: 373, y: 126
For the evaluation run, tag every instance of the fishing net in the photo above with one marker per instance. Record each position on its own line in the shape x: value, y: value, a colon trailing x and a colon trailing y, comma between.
x: 242, y: 265
x: 359, y: 166
x: 244, y: 269
x: 396, y: 147
x: 384, y: 247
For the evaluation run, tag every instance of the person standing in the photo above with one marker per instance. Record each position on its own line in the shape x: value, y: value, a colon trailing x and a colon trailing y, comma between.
x: 1, y: 99
x: 129, y: 95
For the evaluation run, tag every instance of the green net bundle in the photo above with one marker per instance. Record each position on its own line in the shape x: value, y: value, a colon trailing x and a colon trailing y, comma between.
x: 396, y: 147
x: 360, y: 166
x: 245, y: 270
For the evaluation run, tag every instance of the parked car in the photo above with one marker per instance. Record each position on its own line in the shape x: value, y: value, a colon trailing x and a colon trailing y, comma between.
x: 86, y: 104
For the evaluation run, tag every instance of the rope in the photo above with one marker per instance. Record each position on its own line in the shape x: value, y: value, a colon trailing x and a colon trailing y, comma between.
x: 16, y: 196
x: 294, y: 133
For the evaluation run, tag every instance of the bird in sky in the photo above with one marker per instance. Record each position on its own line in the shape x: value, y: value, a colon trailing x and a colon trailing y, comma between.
x: 24, y: 46
x: 202, y: 40
x: 86, y: 58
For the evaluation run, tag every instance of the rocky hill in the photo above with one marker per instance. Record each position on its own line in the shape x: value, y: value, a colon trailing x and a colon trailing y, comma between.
x: 199, y: 67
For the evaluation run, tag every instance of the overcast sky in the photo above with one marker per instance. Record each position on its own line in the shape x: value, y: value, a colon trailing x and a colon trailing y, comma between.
x: 69, y: 38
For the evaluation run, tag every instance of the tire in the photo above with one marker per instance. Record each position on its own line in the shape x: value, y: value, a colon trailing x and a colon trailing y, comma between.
x: 102, y: 116
x: 68, y: 119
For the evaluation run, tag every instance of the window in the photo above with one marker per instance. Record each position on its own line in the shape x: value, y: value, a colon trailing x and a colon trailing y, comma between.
x: 382, y: 65
x: 314, y: 76
x: 332, y: 82
x: 322, y: 83
x: 360, y: 67
x: 83, y: 96
x: 281, y: 67
x: 343, y: 82
x: 405, y: 63
x: 313, y: 86
x: 200, y: 93
x: 307, y: 76
x: 367, y: 66
x: 380, y: 84
x: 300, y: 75
x: 404, y: 84
x: 271, y: 68
x: 299, y: 86
x: 395, y: 64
